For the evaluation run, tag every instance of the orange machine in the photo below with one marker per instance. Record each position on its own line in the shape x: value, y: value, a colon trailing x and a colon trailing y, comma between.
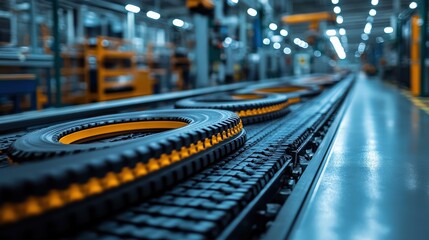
x: 111, y: 70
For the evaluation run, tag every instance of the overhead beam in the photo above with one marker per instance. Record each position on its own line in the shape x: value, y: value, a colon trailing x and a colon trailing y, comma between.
x: 309, y: 17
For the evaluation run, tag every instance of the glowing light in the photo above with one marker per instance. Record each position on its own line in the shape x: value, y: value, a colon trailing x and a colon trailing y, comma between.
x: 228, y: 40
x: 276, y: 45
x: 283, y: 32
x: 334, y: 1
x: 374, y: 2
x: 273, y: 26
x: 342, y: 31
x: 276, y: 38
x: 337, y: 9
x: 338, y: 47
x: 296, y: 41
x: 372, y: 12
x: 388, y: 30
x: 132, y: 8
x: 367, y: 29
x: 178, y: 22
x: 287, y: 50
x: 361, y: 47
x: 340, y: 19
x: 252, y: 12
x: 331, y: 32
x: 413, y: 5
x: 266, y: 41
x: 153, y: 15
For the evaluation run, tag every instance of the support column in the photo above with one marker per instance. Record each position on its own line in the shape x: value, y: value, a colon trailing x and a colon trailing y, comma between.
x: 131, y: 29
x: 257, y: 38
x: 80, y: 31
x: 202, y: 50
x: 33, y: 26
x: 243, y: 34
x: 423, y: 6
x: 394, y: 17
x: 56, y: 48
x: 70, y: 27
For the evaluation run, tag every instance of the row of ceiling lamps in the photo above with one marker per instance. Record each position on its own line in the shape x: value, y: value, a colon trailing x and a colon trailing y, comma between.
x: 155, y: 15
x: 331, y: 33
x: 367, y: 29
x: 413, y: 5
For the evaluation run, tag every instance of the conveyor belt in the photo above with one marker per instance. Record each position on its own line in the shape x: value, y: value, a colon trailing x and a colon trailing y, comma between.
x: 203, y: 206
x: 209, y: 204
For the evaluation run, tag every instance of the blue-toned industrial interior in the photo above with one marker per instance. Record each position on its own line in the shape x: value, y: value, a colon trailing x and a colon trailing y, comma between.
x: 214, y: 119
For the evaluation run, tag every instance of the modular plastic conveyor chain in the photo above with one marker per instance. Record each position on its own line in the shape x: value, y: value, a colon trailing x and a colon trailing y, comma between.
x: 230, y: 186
x: 203, y: 206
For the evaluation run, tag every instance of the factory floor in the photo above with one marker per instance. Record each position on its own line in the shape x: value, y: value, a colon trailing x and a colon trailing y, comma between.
x: 375, y: 182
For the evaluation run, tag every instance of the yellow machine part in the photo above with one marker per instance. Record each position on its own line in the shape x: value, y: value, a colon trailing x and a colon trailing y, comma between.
x: 415, y: 56
x: 196, y: 3
x: 89, y: 133
x: 312, y: 18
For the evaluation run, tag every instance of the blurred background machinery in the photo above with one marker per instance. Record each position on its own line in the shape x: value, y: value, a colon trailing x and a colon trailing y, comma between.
x: 85, y: 51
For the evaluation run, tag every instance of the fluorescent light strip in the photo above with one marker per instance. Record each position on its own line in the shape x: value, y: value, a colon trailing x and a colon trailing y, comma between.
x: 153, y: 15
x: 367, y: 29
x: 252, y: 12
x: 132, y: 8
x: 178, y: 22
x: 338, y: 47
x: 331, y: 32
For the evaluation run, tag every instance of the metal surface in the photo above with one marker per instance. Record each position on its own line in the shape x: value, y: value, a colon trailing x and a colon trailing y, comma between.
x: 56, y: 50
x: 12, y: 122
x: 228, y: 196
x: 33, y: 26
x: 31, y: 60
x: 375, y: 182
x: 423, y: 47
x: 288, y: 214
x: 202, y: 48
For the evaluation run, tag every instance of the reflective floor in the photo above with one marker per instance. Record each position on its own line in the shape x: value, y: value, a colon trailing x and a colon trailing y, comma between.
x: 375, y: 184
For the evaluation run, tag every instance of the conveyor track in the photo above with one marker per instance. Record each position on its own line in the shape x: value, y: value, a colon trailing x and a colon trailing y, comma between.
x: 223, y: 199
x: 203, y: 206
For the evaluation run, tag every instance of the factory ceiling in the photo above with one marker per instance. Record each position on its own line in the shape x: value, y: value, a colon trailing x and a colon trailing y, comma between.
x: 355, y: 14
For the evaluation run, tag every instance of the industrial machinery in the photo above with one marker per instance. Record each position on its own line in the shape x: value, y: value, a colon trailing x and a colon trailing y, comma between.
x: 222, y: 165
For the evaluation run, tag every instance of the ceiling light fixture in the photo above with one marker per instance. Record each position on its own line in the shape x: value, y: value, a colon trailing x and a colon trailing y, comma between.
x: 337, y: 9
x: 367, y: 29
x: 374, y: 2
x: 276, y: 45
x: 276, y: 38
x: 342, y: 31
x: 273, y: 26
x: 153, y: 15
x: 372, y: 12
x: 266, y: 41
x: 340, y: 19
x: 284, y: 32
x: 178, y: 22
x: 388, y: 30
x: 296, y: 41
x: 413, y: 5
x: 287, y: 50
x: 132, y: 8
x: 331, y: 32
x: 252, y: 12
x: 338, y: 47
x: 361, y: 47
